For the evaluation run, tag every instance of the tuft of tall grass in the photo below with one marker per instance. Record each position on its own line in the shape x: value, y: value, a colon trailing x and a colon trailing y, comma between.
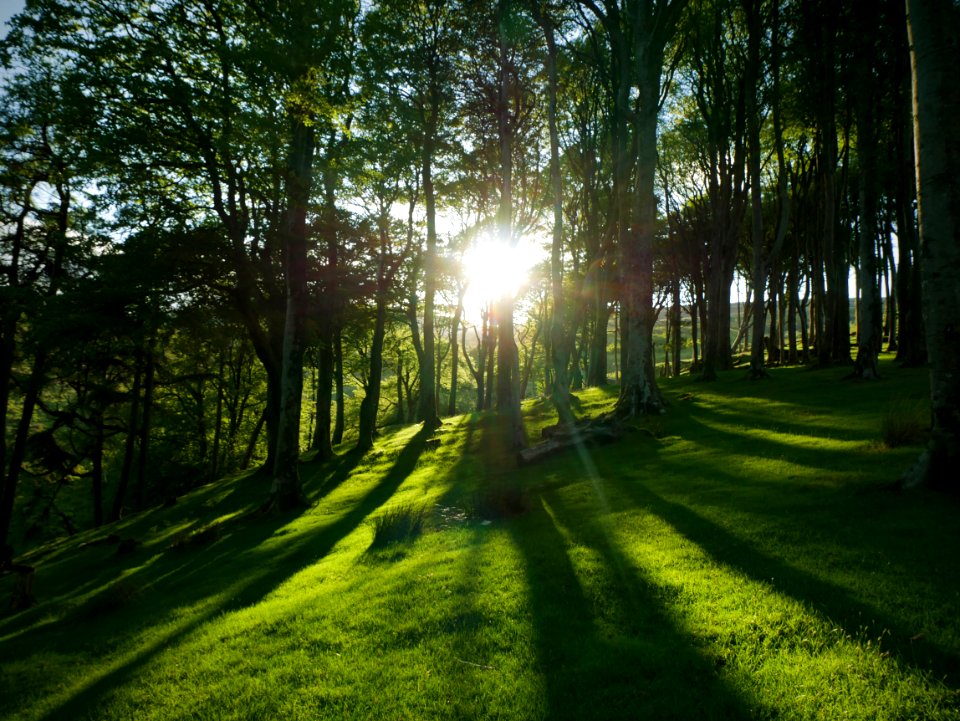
x: 397, y: 525
x: 196, y: 539
x: 905, y: 423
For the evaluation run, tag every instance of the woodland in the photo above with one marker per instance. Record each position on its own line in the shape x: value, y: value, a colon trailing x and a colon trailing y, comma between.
x: 629, y: 325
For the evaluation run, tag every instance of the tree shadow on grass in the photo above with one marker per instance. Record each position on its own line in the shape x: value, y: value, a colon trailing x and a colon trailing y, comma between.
x: 334, y: 473
x: 613, y: 653
x: 233, y: 567
x: 838, y: 604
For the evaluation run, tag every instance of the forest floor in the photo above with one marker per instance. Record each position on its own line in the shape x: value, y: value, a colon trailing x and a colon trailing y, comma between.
x: 747, y: 557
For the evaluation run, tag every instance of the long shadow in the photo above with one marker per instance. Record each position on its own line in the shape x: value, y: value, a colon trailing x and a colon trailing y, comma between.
x: 785, y: 426
x: 614, y: 653
x: 185, y: 583
x: 725, y: 440
x: 835, y: 602
x: 337, y: 471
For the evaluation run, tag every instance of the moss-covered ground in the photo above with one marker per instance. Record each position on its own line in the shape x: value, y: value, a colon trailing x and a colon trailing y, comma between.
x: 745, y: 557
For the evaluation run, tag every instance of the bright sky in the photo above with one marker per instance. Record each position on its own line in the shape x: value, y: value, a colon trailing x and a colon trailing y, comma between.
x: 8, y: 8
x: 495, y: 270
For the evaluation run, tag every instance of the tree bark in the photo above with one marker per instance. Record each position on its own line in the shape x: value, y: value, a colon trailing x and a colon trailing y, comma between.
x: 143, y: 441
x: 286, y: 491
x: 428, y: 409
x: 508, y: 359
x: 934, y: 27
x: 338, y: 419
x: 130, y: 444
x: 869, y: 329
x: 455, y: 351
x: 370, y: 404
x: 559, y: 352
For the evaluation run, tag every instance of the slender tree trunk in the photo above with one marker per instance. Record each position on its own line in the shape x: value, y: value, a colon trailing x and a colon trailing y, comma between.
x: 677, y: 328
x: 54, y: 269
x: 869, y: 327
x: 911, y: 343
x: 130, y: 444
x: 890, y: 285
x: 428, y: 410
x: 143, y: 443
x: 455, y: 352
x: 490, y: 357
x: 508, y: 360
x: 286, y: 491
x: 751, y: 80
x: 254, y: 438
x: 370, y: 404
x: 558, y: 339
x: 19, y: 449
x: 218, y: 421
x: 338, y: 422
x: 325, y: 371
x: 96, y: 472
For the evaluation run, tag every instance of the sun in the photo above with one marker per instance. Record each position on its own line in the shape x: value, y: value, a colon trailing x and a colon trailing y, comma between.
x: 494, y: 270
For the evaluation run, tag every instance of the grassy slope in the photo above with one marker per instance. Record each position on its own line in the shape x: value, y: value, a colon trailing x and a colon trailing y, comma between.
x: 748, y: 563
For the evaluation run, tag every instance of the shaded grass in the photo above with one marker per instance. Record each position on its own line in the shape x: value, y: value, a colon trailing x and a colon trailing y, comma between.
x: 746, y: 560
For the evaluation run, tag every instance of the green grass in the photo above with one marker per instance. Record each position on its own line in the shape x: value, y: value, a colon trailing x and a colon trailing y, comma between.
x: 747, y: 559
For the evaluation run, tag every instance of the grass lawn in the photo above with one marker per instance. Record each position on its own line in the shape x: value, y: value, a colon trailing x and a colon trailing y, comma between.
x: 745, y: 558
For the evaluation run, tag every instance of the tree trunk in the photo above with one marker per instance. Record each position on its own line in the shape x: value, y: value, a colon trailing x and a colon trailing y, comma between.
x: 639, y: 393
x: 869, y: 328
x: 218, y: 420
x: 508, y: 360
x: 143, y: 442
x: 252, y: 443
x: 490, y: 358
x: 370, y: 404
x: 326, y: 362
x: 18, y: 451
x: 286, y: 491
x: 338, y: 421
x: 911, y: 343
x: 428, y: 410
x: 559, y: 353
x: 129, y: 446
x: 935, y: 46
x: 455, y: 354
x: 96, y: 472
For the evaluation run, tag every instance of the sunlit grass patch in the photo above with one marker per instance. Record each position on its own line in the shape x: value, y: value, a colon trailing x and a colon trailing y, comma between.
x: 748, y: 562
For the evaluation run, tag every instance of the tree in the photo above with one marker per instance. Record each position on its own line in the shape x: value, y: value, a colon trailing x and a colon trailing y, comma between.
x: 637, y: 34
x: 934, y: 27
x: 39, y: 246
x: 559, y: 340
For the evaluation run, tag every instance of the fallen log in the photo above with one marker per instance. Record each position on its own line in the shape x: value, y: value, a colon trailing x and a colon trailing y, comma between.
x: 561, y: 437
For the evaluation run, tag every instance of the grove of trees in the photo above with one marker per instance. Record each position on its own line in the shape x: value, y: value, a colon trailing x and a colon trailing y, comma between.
x: 232, y: 231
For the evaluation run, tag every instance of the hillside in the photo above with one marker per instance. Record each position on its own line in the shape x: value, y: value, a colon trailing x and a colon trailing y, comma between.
x: 746, y: 557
